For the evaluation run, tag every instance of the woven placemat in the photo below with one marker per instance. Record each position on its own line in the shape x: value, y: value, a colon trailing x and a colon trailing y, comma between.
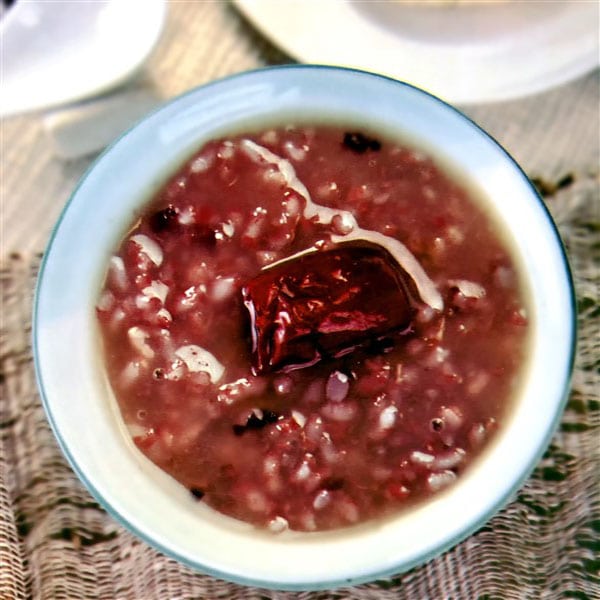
x: 56, y: 542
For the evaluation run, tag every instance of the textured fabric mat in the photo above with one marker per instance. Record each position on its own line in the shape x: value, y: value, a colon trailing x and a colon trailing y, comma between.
x: 56, y: 542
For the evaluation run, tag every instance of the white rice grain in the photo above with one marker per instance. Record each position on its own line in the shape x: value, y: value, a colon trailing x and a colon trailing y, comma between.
x: 198, y: 359
x: 149, y: 247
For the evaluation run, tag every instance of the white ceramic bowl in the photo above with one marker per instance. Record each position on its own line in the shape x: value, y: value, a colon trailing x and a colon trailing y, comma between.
x: 81, y: 407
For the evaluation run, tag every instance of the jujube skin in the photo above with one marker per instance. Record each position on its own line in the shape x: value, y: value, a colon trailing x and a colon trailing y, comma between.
x: 324, y: 304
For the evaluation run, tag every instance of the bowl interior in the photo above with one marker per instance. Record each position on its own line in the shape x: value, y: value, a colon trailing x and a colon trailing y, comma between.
x: 82, y: 410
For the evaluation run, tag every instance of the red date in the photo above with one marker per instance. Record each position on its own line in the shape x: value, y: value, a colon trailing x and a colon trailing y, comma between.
x: 324, y: 304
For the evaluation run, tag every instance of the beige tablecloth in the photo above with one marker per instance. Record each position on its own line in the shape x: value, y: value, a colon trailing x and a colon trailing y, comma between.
x: 57, y: 542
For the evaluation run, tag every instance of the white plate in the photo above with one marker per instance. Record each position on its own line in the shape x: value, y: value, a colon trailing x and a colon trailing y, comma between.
x: 54, y: 53
x: 469, y: 53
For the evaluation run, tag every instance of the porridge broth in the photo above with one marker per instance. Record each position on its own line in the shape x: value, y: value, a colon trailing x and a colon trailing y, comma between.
x: 316, y: 405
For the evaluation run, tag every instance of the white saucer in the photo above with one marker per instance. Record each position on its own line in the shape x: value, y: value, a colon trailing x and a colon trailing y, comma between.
x: 55, y: 53
x: 464, y: 53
